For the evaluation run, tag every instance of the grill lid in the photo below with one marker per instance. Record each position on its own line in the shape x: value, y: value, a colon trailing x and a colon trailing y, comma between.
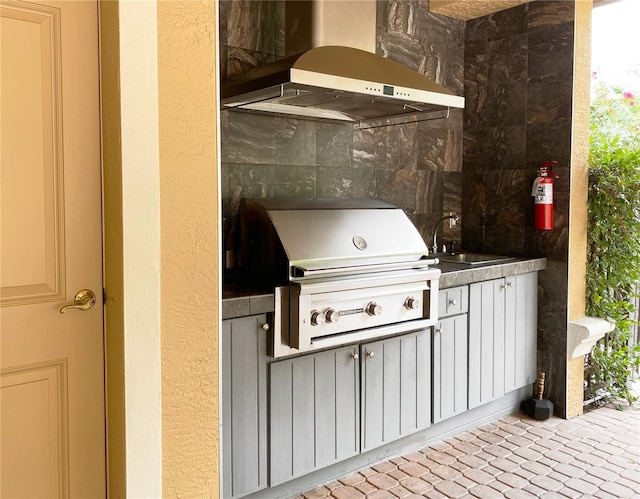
x: 325, y: 236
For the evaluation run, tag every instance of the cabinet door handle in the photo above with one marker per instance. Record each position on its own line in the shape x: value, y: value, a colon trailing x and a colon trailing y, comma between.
x: 265, y: 326
x: 371, y: 355
x: 509, y: 284
x: 453, y: 302
x: 439, y: 328
x: 355, y: 356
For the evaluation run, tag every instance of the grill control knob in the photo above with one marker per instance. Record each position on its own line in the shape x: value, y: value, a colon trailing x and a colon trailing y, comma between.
x: 374, y: 309
x: 317, y: 318
x: 412, y: 303
x: 331, y: 315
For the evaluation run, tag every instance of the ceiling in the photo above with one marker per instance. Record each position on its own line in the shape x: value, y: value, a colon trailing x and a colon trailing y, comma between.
x: 470, y: 9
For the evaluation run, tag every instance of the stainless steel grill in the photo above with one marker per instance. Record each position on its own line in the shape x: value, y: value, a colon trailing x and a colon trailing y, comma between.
x: 343, y: 270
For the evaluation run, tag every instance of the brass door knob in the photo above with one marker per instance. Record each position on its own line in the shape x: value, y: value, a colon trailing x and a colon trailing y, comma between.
x: 84, y: 300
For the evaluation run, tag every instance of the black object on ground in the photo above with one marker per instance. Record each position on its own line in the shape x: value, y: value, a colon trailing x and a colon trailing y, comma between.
x: 538, y: 407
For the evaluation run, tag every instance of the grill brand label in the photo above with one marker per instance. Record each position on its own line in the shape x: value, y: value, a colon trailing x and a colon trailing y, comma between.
x: 352, y: 311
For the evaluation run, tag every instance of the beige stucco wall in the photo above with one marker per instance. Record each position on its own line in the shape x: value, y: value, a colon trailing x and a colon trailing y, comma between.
x: 159, y: 118
x: 129, y: 105
x: 578, y: 200
x: 187, y: 70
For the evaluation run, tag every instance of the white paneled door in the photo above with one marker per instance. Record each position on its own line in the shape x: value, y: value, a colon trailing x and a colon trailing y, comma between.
x: 52, y: 422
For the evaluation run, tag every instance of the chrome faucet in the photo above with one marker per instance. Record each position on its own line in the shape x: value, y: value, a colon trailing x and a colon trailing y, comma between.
x: 434, y: 248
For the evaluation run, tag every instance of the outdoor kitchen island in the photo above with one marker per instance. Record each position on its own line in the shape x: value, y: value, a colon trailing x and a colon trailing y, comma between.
x: 292, y: 422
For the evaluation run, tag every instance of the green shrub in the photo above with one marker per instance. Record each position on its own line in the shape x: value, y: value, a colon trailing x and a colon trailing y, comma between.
x: 613, y: 263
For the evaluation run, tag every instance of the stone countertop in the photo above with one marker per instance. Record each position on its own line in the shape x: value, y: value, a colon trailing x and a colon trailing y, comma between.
x: 457, y: 274
x: 240, y: 301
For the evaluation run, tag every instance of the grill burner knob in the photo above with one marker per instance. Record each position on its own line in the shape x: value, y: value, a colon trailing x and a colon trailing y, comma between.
x: 412, y: 303
x: 317, y: 318
x: 374, y: 309
x: 331, y: 315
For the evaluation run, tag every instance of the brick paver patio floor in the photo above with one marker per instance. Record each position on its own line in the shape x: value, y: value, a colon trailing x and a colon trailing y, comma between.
x: 594, y: 455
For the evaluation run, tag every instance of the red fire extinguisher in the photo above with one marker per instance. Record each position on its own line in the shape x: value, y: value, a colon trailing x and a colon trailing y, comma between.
x: 542, y: 193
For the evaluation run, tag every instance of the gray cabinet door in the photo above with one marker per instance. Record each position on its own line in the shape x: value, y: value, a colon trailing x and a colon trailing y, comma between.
x: 396, y: 387
x: 450, y: 368
x: 521, y: 330
x: 486, y: 341
x: 315, y: 413
x: 244, y: 405
x: 502, y: 336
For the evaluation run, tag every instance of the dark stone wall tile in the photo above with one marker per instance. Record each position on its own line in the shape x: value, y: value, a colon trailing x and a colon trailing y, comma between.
x: 480, y: 29
x: 507, y: 104
x: 552, y: 327
x: 402, y: 49
x: 334, y: 182
x: 508, y: 193
x: 452, y: 182
x: 455, y: 121
x: 473, y: 211
x: 551, y: 53
x: 364, y: 182
x: 476, y: 85
x: 295, y: 142
x: 250, y: 24
x: 224, y: 133
x: 549, y: 141
x: 225, y: 190
x: 509, y: 146
x: 442, y: 42
x: 549, y: 100
x: 552, y: 244
x: 402, y: 147
x: 518, y: 85
x: 509, y: 23
x: 440, y: 150
x: 519, y: 92
x: 476, y: 149
x: 507, y: 60
x: 428, y: 192
x: 334, y: 145
x: 398, y: 187
x: 401, y: 17
x: 541, y: 15
x: 240, y: 60
x: 370, y: 147
x: 223, y: 18
x: 279, y: 15
x: 424, y: 223
x: 223, y: 53
x: 250, y: 138
x: 295, y: 181
x: 431, y: 147
x: 250, y: 181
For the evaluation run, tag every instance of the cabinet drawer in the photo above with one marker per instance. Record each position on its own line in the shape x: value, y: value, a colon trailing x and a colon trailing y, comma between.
x: 453, y: 301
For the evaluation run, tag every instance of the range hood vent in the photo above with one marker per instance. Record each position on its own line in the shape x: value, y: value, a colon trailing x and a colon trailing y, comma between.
x: 339, y: 84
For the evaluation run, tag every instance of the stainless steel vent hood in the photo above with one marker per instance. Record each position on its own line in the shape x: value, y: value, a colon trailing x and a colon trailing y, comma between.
x: 340, y: 84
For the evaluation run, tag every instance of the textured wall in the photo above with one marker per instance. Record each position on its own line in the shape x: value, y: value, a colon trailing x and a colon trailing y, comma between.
x: 416, y: 166
x: 113, y: 244
x: 132, y: 247
x: 519, y: 89
x: 579, y: 195
x: 189, y: 265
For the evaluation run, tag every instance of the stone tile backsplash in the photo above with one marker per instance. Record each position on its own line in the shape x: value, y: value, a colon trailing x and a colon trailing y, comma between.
x: 416, y: 166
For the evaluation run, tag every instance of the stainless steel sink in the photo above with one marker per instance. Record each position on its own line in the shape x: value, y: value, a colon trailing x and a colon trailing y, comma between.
x: 473, y: 258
